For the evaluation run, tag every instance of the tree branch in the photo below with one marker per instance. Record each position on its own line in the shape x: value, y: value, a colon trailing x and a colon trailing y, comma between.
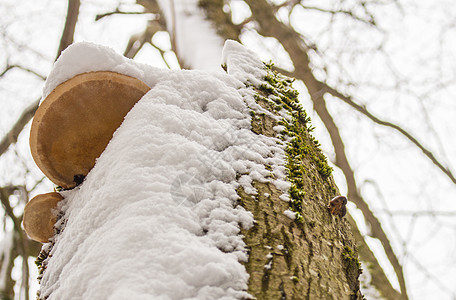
x: 28, y: 113
x: 12, y: 136
x: 162, y: 54
x: 152, y: 6
x: 349, y: 13
x: 137, y: 41
x: 10, y: 67
x: 119, y: 12
x: 70, y: 25
x: 364, y: 111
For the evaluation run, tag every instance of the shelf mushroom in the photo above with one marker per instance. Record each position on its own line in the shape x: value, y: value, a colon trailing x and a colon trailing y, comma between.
x: 40, y: 216
x: 75, y: 122
x: 70, y: 129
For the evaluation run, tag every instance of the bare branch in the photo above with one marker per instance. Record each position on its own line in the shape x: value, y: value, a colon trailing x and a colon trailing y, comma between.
x: 27, y: 114
x: 70, y: 25
x: 6, y: 265
x: 349, y: 13
x: 13, y: 134
x: 137, y: 41
x: 364, y: 111
x: 119, y: 12
x: 162, y: 53
x: 5, y: 193
x: 10, y: 67
x: 151, y: 6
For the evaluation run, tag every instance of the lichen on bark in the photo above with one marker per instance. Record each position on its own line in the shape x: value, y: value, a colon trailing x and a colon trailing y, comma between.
x: 313, y: 256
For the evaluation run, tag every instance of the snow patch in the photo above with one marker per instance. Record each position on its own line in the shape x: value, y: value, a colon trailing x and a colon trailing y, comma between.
x: 290, y: 214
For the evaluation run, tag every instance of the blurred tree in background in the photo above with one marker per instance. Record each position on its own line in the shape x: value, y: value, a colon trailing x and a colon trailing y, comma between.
x: 377, y: 76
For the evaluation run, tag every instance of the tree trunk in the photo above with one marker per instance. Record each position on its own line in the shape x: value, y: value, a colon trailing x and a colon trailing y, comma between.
x: 312, y: 256
x: 137, y: 227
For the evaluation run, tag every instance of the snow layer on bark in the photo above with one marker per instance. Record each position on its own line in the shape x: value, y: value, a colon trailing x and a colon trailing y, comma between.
x: 196, y: 39
x: 157, y: 217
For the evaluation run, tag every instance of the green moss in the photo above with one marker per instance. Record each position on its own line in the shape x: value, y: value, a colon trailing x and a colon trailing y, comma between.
x: 350, y: 258
x: 277, y: 91
x: 352, y: 270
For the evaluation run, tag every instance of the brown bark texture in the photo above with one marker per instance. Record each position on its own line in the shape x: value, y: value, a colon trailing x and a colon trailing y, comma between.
x: 313, y: 256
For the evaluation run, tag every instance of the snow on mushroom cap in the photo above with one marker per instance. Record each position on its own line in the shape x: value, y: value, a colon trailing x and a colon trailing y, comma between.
x: 85, y: 57
x: 157, y: 215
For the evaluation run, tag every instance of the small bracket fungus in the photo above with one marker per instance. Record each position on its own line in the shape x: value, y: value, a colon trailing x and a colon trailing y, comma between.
x: 337, y: 206
x: 39, y: 216
x: 76, y: 121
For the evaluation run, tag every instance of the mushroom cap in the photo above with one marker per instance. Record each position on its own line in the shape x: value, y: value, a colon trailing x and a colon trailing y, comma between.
x: 75, y: 122
x: 39, y: 216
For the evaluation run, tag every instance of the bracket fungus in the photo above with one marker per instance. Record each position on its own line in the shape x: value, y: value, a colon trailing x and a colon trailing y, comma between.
x: 39, y: 216
x: 70, y: 129
x: 337, y: 206
x: 75, y: 122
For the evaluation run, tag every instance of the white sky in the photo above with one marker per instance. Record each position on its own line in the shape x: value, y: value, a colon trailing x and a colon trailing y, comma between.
x: 407, y: 181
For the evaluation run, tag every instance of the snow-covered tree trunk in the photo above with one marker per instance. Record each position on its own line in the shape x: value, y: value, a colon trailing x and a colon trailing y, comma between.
x: 297, y: 249
x: 212, y: 188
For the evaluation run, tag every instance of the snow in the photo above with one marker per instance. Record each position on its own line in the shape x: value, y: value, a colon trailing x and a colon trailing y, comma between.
x: 196, y: 39
x: 157, y: 217
x: 285, y: 197
x: 89, y: 57
x: 367, y: 288
x: 290, y: 214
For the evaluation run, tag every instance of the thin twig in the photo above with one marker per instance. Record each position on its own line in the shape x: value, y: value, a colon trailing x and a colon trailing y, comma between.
x: 10, y: 67
x: 343, y: 12
x: 162, y: 53
x: 119, y: 12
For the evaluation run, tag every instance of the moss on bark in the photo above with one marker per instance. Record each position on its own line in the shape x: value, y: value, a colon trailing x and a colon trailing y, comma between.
x: 313, y: 256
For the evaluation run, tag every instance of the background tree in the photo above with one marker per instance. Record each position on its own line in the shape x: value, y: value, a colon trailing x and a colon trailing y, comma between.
x: 354, y: 60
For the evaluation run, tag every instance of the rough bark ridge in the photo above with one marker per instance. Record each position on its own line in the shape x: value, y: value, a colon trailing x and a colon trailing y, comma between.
x: 313, y: 256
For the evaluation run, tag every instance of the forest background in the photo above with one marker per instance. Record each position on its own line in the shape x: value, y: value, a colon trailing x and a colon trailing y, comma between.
x: 376, y: 77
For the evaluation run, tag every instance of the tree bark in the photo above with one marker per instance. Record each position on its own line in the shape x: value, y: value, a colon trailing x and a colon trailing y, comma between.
x: 312, y: 257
